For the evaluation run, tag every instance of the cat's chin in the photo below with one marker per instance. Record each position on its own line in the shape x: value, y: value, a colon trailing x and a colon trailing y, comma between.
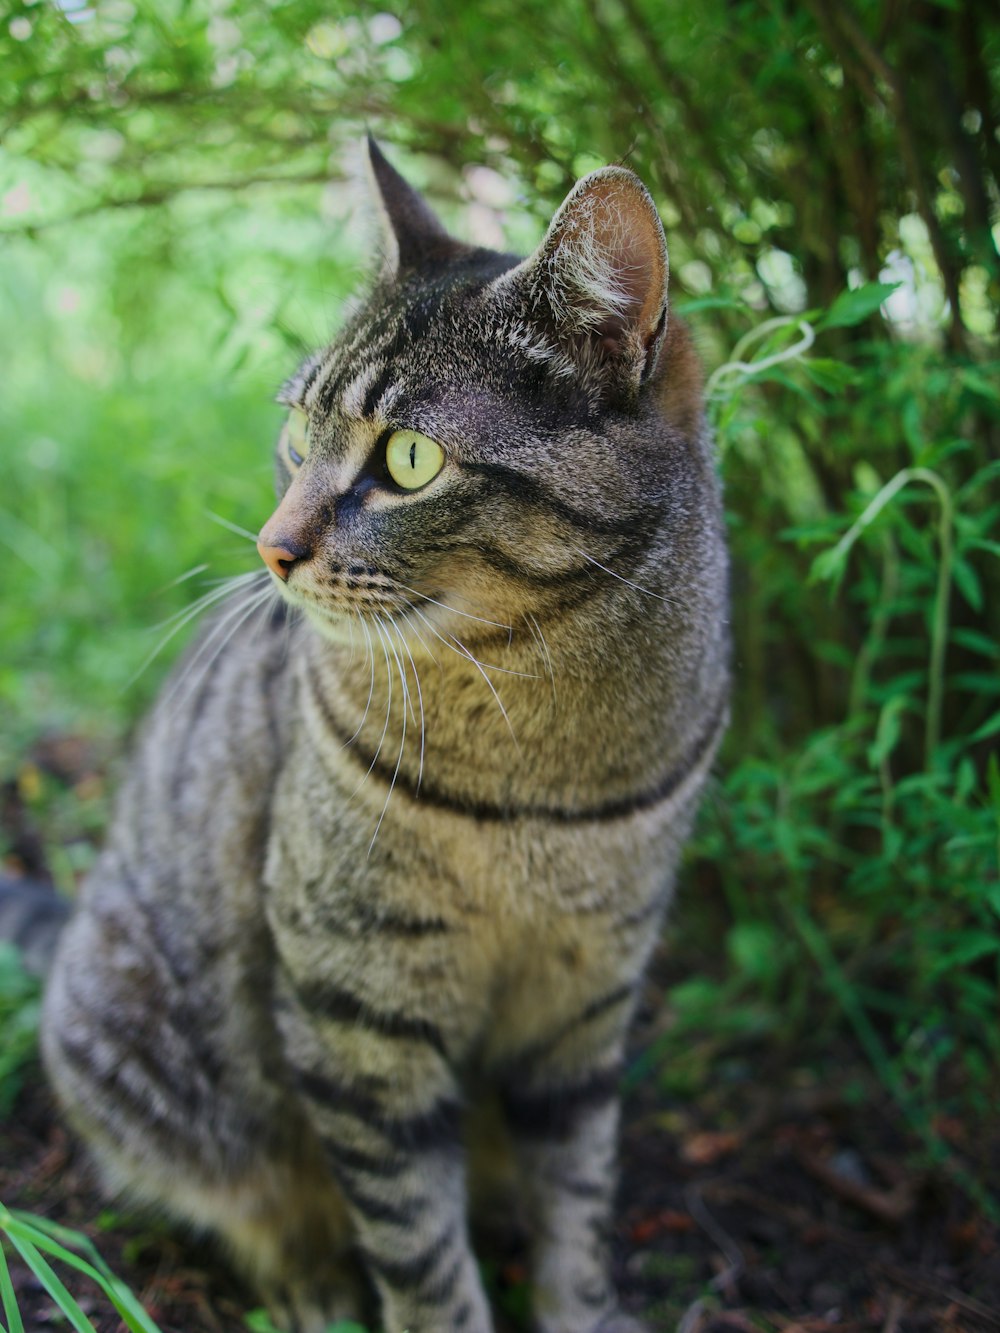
x: 333, y: 625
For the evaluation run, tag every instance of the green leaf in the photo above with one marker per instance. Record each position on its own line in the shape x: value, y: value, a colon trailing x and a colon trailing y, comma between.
x: 9, y: 1299
x: 259, y: 1321
x: 989, y: 728
x: 710, y: 303
x: 47, y: 1276
x: 975, y: 641
x: 888, y: 730
x: 754, y: 948
x: 829, y: 566
x: 48, y: 1235
x: 967, y: 582
x: 828, y: 373
x: 983, y: 544
x: 852, y: 307
x: 979, y: 384
x: 971, y: 946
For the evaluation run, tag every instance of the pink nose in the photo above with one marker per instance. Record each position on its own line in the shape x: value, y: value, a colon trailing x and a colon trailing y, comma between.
x: 278, y: 559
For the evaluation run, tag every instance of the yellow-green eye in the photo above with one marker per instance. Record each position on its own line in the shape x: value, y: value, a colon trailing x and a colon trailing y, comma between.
x: 296, y: 435
x: 412, y: 459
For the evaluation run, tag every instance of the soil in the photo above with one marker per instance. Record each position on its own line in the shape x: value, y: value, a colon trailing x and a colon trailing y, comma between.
x: 782, y: 1193
x: 764, y: 1207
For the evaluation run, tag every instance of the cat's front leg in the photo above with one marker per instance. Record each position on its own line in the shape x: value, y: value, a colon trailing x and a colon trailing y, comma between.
x: 566, y: 1129
x: 386, y: 1106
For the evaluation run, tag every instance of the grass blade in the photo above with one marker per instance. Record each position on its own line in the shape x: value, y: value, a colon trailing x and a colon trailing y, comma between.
x: 11, y: 1313
x: 46, y: 1275
x: 47, y: 1236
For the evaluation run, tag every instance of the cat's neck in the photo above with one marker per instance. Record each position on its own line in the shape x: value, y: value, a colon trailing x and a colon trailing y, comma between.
x: 534, y: 714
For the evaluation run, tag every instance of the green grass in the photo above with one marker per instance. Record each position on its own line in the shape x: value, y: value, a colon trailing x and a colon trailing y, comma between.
x: 39, y: 1241
x: 20, y: 1010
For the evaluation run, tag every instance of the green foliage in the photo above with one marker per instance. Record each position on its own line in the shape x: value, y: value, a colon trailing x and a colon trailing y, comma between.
x: 855, y: 838
x: 34, y: 1238
x: 20, y: 1007
x: 179, y: 223
x: 259, y: 1321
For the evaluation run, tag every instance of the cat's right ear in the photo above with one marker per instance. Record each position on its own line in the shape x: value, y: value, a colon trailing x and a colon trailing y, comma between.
x: 412, y: 236
x: 597, y: 284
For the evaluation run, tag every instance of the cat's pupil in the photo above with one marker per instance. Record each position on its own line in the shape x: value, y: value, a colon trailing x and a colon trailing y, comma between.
x: 413, y: 454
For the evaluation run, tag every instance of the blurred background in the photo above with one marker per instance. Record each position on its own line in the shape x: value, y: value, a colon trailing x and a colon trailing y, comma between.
x: 182, y: 218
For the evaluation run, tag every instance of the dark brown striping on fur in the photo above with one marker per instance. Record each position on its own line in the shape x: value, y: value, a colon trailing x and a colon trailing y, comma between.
x: 289, y: 989
x: 530, y: 491
x: 550, y: 1113
x: 329, y: 1092
x: 393, y: 1212
x: 79, y: 1054
x: 428, y: 1131
x: 484, y: 812
x: 346, y: 1157
x: 415, y: 1270
x: 532, y: 1053
x: 323, y: 1000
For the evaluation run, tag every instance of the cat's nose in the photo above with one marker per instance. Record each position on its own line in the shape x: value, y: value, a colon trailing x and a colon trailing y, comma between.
x: 279, y: 559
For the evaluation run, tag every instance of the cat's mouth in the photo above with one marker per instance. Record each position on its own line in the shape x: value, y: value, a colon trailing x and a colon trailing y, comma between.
x: 340, y: 594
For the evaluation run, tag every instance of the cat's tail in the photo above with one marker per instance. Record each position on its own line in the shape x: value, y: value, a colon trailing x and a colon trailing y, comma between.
x: 32, y: 915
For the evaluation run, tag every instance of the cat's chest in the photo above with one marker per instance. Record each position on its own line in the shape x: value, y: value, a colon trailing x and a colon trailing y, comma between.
x: 336, y: 839
x: 488, y: 925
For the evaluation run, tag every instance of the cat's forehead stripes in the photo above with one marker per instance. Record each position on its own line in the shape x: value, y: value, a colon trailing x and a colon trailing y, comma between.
x: 355, y: 397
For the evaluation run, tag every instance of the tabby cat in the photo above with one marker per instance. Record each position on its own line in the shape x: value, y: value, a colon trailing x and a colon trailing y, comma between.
x: 397, y: 843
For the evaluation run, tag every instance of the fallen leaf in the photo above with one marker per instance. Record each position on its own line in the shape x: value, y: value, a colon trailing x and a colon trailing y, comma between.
x: 709, y: 1146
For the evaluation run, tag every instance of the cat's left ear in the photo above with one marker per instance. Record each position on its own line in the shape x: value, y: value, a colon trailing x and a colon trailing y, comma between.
x: 412, y: 236
x: 599, y: 279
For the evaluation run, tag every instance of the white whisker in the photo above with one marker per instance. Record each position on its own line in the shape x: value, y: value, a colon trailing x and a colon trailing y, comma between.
x: 539, y: 637
x: 183, y: 578
x: 186, y: 614
x: 381, y: 630
x: 673, y: 601
x: 219, y: 635
x: 420, y: 697
x: 232, y: 527
x: 420, y: 638
x: 447, y: 635
x: 402, y: 675
x: 219, y: 589
x: 458, y: 647
x: 454, y: 609
x: 385, y: 728
x: 371, y: 687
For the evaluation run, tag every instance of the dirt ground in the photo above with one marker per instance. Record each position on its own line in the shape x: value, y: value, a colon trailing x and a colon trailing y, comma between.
x: 783, y: 1194
x: 765, y: 1206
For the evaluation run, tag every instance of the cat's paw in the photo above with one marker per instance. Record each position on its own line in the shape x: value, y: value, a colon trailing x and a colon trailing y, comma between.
x: 300, y: 1310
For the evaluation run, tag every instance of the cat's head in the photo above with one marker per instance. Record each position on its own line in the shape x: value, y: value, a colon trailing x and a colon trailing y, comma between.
x: 481, y: 431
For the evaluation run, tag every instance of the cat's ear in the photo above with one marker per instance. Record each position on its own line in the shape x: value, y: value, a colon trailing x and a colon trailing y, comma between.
x: 598, y: 281
x: 411, y: 234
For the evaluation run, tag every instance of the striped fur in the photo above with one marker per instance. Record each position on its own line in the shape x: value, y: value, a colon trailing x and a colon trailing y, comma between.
x: 408, y: 833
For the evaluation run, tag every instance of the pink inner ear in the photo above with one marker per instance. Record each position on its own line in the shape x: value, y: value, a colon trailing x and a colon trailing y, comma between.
x: 612, y: 243
x: 631, y: 239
